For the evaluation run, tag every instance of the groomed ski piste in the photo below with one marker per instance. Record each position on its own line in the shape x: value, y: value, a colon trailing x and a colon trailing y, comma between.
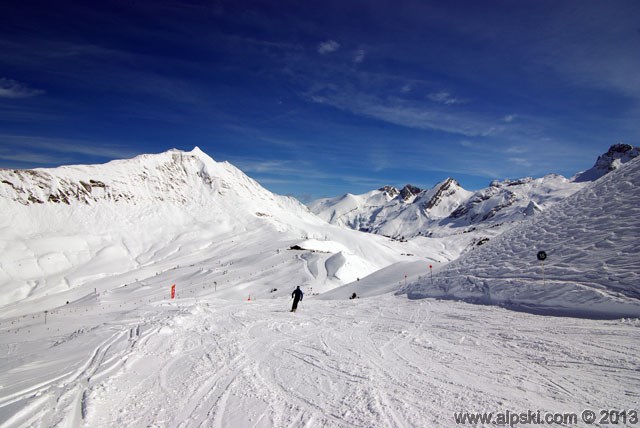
x: 226, y: 351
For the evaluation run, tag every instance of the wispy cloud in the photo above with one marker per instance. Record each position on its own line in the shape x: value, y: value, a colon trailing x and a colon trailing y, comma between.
x: 15, y: 158
x: 279, y: 171
x: 269, y: 166
x: 359, y: 56
x: 44, y: 150
x: 509, y: 118
x: 444, y: 97
x: 10, y: 88
x: 405, y: 113
x: 517, y: 149
x: 328, y: 47
x: 521, y: 161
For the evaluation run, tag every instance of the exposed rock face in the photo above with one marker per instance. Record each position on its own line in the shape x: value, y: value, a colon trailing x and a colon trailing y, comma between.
x: 390, y: 191
x: 39, y: 186
x: 408, y: 192
x: 448, y: 188
x: 169, y: 176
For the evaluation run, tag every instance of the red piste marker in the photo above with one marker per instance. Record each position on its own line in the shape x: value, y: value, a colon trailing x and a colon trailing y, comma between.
x: 173, y: 291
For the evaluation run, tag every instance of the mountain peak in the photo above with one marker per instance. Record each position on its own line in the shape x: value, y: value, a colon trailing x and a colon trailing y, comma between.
x: 390, y: 191
x: 175, y: 175
x: 442, y: 190
x: 617, y: 155
x: 199, y: 153
x: 409, y: 192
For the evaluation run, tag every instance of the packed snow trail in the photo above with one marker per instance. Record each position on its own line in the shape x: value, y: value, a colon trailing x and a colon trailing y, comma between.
x: 381, y: 361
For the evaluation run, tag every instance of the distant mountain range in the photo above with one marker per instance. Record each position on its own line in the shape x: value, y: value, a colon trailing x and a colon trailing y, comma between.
x: 448, y: 209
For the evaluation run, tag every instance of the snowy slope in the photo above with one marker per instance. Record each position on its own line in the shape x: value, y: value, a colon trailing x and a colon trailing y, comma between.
x: 117, y: 360
x: 70, y: 231
x: 593, y: 267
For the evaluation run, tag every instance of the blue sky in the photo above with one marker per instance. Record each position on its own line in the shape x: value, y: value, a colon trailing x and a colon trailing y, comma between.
x: 318, y: 99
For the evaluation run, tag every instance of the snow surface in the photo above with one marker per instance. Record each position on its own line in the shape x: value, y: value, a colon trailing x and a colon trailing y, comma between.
x: 593, y: 264
x: 116, y: 350
x: 120, y: 360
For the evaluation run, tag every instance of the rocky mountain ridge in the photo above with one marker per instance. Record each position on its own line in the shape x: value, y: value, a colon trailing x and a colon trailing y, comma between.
x: 448, y: 209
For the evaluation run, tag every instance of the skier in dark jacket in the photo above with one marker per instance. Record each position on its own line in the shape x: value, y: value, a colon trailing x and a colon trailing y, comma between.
x: 297, y: 296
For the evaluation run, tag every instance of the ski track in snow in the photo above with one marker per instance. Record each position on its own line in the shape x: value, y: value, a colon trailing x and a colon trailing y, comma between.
x: 371, y: 362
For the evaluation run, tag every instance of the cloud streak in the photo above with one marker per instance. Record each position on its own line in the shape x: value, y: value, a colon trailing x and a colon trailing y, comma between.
x: 408, y: 114
x: 10, y: 88
x: 359, y: 56
x: 45, y: 150
x: 328, y: 47
x: 444, y: 97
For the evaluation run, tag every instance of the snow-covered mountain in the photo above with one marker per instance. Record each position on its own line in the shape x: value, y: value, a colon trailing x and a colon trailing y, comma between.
x: 617, y: 155
x: 392, y: 212
x: 173, y: 176
x: 448, y: 209
x: 510, y: 200
x: 150, y: 190
x: 70, y: 230
x: 591, y: 240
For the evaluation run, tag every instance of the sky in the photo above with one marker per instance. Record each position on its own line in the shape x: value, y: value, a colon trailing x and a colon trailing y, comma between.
x: 320, y: 98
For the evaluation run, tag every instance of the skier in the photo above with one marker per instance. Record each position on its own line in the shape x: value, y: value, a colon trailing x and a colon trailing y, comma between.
x: 296, y: 296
